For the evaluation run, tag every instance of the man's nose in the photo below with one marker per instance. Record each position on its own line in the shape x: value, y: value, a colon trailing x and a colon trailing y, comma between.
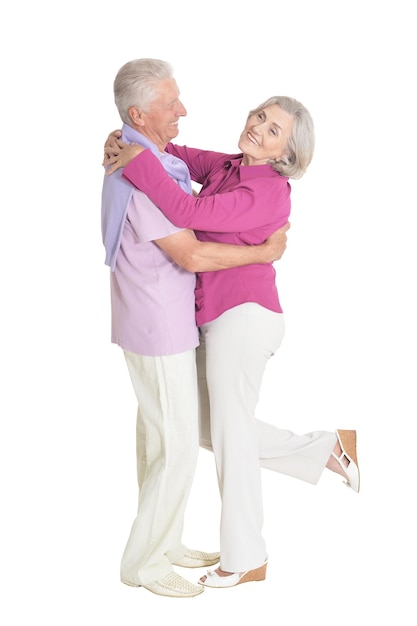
x: 182, y: 111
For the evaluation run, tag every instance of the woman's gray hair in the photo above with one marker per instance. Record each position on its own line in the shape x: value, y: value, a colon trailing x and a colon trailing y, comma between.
x: 300, y: 145
x: 136, y: 84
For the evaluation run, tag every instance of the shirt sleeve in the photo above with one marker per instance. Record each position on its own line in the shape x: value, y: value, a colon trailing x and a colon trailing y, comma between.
x: 199, y: 162
x: 148, y: 222
x: 253, y: 203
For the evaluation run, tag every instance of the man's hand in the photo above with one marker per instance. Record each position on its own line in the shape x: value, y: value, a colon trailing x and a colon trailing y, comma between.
x: 276, y: 244
x: 117, y: 153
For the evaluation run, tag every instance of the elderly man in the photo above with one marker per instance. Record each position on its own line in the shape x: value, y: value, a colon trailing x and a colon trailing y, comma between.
x: 153, y: 320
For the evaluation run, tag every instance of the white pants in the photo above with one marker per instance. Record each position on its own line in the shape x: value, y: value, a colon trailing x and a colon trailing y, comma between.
x: 232, y: 357
x: 167, y: 451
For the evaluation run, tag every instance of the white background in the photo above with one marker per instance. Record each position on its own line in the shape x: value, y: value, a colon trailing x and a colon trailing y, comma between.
x: 347, y: 285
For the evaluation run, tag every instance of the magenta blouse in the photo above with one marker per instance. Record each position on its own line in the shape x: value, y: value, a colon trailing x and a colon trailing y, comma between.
x: 237, y: 205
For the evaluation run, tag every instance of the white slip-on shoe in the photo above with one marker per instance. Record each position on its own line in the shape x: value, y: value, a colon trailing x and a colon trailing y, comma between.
x: 196, y: 558
x: 172, y: 585
x: 212, y: 579
x: 348, y: 459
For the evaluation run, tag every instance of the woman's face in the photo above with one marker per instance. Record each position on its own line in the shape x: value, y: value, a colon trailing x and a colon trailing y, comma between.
x: 265, y: 135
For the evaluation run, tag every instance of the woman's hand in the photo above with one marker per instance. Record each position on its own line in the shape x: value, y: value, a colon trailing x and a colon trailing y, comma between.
x: 112, y: 139
x: 117, y: 153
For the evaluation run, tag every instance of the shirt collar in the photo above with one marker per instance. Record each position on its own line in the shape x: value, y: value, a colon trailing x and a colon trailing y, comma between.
x: 253, y: 171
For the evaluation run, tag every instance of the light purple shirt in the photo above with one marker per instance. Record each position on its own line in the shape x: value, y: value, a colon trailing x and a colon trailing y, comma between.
x: 152, y: 298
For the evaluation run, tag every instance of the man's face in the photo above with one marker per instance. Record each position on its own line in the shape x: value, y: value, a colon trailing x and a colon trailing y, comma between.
x: 161, y: 122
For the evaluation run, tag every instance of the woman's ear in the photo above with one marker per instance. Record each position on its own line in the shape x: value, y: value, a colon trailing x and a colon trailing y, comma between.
x: 283, y: 159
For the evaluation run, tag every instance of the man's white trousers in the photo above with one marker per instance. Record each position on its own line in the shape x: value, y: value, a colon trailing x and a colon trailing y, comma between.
x: 167, y: 450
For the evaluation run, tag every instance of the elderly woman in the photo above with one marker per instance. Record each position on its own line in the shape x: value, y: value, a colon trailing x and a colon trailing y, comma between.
x: 243, y: 199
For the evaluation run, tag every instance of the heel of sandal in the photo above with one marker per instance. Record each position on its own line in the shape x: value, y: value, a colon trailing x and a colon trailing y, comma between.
x: 347, y: 442
x: 254, y: 574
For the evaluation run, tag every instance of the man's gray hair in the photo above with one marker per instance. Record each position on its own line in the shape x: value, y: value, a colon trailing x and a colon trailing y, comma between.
x: 136, y: 84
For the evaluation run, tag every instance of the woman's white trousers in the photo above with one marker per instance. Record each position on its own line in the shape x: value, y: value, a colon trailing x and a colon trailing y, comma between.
x: 232, y: 357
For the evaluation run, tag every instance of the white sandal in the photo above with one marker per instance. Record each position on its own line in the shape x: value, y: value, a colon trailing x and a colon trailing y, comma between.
x: 347, y: 442
x: 212, y: 579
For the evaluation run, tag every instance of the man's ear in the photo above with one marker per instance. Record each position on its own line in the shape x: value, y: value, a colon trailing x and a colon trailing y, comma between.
x: 136, y: 115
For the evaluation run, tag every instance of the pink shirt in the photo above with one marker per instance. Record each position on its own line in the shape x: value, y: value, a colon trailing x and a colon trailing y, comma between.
x: 249, y: 204
x: 152, y: 298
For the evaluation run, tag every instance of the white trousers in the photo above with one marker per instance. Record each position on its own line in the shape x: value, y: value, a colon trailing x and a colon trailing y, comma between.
x: 167, y: 450
x: 233, y: 353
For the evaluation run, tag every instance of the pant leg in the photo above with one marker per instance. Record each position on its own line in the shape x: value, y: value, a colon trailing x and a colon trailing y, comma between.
x: 203, y: 397
x: 167, y: 449
x: 300, y: 456
x: 238, y: 346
